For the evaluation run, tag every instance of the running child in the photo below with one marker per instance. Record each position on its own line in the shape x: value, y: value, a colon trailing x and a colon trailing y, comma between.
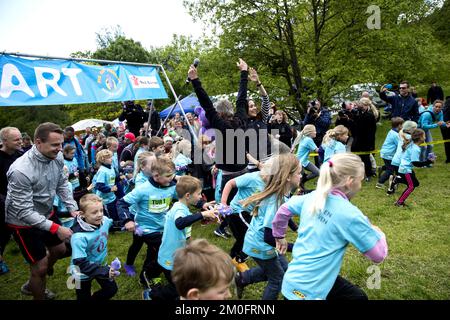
x: 259, y: 242
x: 328, y: 223
x: 182, y: 156
x: 334, y: 141
x: 105, y: 184
x: 142, y: 173
x: 89, y: 251
x: 410, y: 158
x: 306, y: 146
x: 177, y: 230
x: 72, y: 165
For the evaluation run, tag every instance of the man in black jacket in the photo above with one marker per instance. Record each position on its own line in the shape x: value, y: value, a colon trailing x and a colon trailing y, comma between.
x: 135, y: 116
x: 403, y: 104
x: 434, y: 93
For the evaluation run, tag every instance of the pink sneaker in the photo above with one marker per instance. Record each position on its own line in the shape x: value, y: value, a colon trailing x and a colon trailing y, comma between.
x: 129, y: 270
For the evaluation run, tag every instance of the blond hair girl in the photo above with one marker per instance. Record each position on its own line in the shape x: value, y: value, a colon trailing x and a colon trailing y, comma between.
x: 306, y: 146
x: 143, y: 169
x: 334, y: 141
x: 283, y: 175
x: 328, y: 223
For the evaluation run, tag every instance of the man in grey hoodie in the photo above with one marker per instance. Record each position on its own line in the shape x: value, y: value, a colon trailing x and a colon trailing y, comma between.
x: 33, y: 181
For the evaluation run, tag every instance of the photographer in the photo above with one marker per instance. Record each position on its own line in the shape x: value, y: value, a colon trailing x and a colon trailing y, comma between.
x: 135, y: 116
x: 320, y: 117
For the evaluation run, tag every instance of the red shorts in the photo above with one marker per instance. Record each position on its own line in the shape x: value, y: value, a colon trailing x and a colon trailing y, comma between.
x: 33, y: 242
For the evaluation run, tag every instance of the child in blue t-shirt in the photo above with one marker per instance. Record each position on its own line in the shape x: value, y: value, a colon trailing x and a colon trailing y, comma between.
x: 388, y: 150
x: 258, y: 242
x: 152, y: 201
x: 58, y: 206
x: 72, y: 165
x: 411, y: 158
x: 177, y: 230
x: 404, y: 139
x: 328, y: 223
x: 334, y: 141
x: 142, y: 173
x: 105, y: 184
x: 89, y: 251
x: 247, y: 185
x: 305, y: 147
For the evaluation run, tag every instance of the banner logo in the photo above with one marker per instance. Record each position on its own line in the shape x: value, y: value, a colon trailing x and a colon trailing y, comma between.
x: 109, y: 79
x: 142, y: 82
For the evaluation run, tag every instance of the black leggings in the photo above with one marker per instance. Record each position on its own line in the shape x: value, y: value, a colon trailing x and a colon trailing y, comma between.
x: 151, y: 266
x: 107, y: 291
x: 345, y: 290
x: 411, y: 181
x: 134, y: 249
x: 239, y: 228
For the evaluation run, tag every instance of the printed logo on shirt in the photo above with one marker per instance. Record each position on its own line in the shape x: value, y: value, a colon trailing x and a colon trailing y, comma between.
x: 159, y: 205
x: 112, y: 180
x: 299, y: 294
x: 254, y: 250
x: 167, y: 263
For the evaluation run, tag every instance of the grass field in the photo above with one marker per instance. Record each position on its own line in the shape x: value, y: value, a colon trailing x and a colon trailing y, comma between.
x: 417, y: 267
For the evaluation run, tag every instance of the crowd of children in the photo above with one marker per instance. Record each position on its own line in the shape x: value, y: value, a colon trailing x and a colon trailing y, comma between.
x: 150, y: 190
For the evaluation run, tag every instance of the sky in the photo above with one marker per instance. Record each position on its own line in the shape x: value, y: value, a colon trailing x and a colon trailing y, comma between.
x: 60, y: 27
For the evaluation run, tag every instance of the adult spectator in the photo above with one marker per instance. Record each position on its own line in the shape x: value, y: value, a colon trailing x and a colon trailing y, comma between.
x: 10, y: 150
x: 34, y: 180
x: 403, y: 104
x: 434, y: 93
x: 320, y: 117
x: 365, y: 126
x: 80, y: 155
x: 283, y: 128
x: 86, y: 135
x: 135, y: 116
x: 446, y: 130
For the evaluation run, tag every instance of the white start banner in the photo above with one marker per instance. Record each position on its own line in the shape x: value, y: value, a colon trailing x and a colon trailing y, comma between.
x: 142, y: 82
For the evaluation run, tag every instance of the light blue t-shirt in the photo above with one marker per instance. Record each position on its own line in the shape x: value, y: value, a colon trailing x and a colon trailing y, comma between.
x: 173, y: 238
x: 60, y: 207
x: 320, y: 246
x: 181, y: 161
x: 90, y: 245
x: 332, y: 148
x: 254, y: 244
x: 304, y: 148
x: 108, y: 177
x: 398, y: 153
x: 218, y: 191
x: 411, y: 154
x: 72, y: 165
x: 248, y: 184
x: 390, y: 145
x: 429, y: 120
x: 140, y: 179
x: 151, y: 203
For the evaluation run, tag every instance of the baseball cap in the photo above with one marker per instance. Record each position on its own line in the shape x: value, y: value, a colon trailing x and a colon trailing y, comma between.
x: 130, y: 136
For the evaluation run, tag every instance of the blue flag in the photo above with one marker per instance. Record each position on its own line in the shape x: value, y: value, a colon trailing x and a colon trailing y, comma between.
x: 25, y: 82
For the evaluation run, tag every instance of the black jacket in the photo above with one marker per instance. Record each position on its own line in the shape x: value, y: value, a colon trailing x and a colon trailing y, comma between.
x: 230, y: 130
x: 365, y: 127
x: 135, y: 117
x: 284, y: 130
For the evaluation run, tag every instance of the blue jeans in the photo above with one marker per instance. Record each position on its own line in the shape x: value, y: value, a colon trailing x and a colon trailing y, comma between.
x: 424, y: 151
x: 272, y: 271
